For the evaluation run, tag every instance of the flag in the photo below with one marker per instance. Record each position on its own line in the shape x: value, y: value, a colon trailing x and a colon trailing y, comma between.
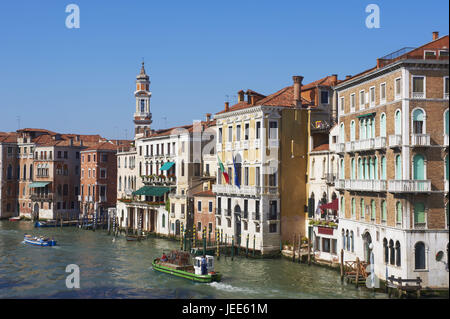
x: 222, y: 168
x: 236, y: 175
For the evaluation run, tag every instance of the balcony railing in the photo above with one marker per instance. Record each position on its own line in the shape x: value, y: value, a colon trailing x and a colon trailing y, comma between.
x: 330, y: 178
x: 274, y: 143
x: 395, y: 140
x: 340, y: 184
x: 218, y: 212
x: 243, y: 190
x: 245, y: 144
x: 102, y: 199
x: 420, y: 225
x: 340, y: 148
x: 227, y: 212
x: 368, y: 185
x: 257, y: 143
x: 42, y: 197
x: 256, y: 216
x: 445, y: 140
x: 228, y: 146
x: 380, y: 142
x: 418, y: 95
x: 273, y: 216
x: 420, y: 140
x: 409, y: 186
x: 245, y: 214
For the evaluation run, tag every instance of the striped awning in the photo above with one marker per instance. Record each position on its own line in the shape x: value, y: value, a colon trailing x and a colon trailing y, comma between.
x: 166, y: 166
x: 152, y: 191
x: 38, y: 184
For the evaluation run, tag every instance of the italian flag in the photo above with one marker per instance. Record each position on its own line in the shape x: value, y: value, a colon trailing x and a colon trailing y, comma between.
x: 222, y: 168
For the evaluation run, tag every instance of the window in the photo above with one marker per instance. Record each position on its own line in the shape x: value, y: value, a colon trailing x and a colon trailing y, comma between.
x: 383, y: 211
x: 246, y: 175
x: 398, y: 88
x: 326, y: 245
x: 383, y: 125
x: 273, y: 130
x: 199, y: 206
x: 324, y: 97
x: 142, y: 106
x: 418, y: 121
x: 342, y: 133
x: 399, y: 215
x: 419, y: 214
x: 418, y: 167
x: 257, y: 176
x: 429, y: 54
x: 361, y: 99
x: 352, y: 102
x: 353, y: 207
x: 372, y: 96
x: 373, y: 215
x: 386, y: 251
x: 247, y: 131
x: 103, y: 172
x: 382, y: 93
x: 272, y: 228
x: 398, y: 254
x: 353, y: 167
x: 419, y: 254
x: 230, y: 134
x: 418, y: 87
x: 391, y: 252
x: 210, y: 207
x: 342, y: 206
x: 220, y: 136
x: 341, y: 104
x: 273, y: 179
x: 352, y: 131
x: 398, y: 122
x: 398, y: 167
x: 352, y: 242
x: 446, y: 86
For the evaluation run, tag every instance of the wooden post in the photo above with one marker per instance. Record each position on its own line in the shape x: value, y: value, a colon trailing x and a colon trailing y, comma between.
x: 254, y: 244
x: 293, y: 248
x: 246, y: 247
x: 299, y: 247
x: 342, y: 265
x: 418, y: 289
x: 217, y: 244
x: 309, y: 252
x: 232, y: 247
x: 226, y: 244
x: 400, y: 287
x: 357, y: 272
x: 204, y: 241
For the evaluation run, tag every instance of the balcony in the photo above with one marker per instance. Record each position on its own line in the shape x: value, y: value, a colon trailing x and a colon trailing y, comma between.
x: 395, y: 141
x: 218, y: 212
x: 420, y: 225
x: 256, y: 216
x: 340, y: 148
x: 234, y: 190
x: 102, y: 199
x: 350, y: 147
x: 330, y: 178
x: 273, y: 216
x: 445, y: 143
x: 340, y: 184
x: 409, y: 186
x: 42, y: 197
x: 245, y: 214
x: 228, y: 146
x: 380, y: 142
x: 257, y: 143
x: 227, y: 212
x: 365, y: 185
x: 237, y: 145
x: 420, y: 140
x: 274, y: 143
x: 245, y: 144
x: 418, y: 95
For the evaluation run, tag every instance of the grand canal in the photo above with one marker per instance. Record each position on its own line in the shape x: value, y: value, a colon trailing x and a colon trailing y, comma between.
x: 114, y: 268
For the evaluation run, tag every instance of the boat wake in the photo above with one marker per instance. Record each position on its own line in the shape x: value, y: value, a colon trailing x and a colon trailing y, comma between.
x: 229, y: 288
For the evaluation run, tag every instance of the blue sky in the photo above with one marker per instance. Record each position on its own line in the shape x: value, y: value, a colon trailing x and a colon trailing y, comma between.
x: 196, y: 53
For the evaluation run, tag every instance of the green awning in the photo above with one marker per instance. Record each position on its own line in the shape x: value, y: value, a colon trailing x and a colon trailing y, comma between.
x: 38, y: 184
x: 367, y: 115
x: 152, y: 191
x: 166, y: 166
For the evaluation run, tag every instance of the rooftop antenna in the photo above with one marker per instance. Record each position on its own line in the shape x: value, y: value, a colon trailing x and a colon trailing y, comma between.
x: 227, y: 98
x: 18, y: 122
x: 165, y: 121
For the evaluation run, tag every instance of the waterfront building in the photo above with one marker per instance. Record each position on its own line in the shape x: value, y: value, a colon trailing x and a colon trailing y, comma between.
x: 204, y: 214
x: 8, y: 175
x: 98, y: 178
x: 262, y: 144
x: 393, y: 165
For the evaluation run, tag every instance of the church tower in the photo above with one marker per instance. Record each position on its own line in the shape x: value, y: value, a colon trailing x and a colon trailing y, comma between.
x: 142, y: 116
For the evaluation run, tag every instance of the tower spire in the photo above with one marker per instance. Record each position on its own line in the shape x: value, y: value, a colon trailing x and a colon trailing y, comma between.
x: 142, y: 116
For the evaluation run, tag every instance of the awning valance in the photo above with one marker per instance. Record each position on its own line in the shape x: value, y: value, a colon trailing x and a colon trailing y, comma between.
x: 38, y: 184
x: 152, y: 191
x: 367, y: 115
x: 166, y: 166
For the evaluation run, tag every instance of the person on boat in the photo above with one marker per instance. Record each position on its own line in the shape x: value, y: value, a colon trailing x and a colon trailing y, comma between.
x: 203, y: 266
x: 164, y: 257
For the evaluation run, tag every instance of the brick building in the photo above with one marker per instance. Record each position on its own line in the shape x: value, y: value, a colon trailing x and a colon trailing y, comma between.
x: 204, y: 209
x: 393, y: 146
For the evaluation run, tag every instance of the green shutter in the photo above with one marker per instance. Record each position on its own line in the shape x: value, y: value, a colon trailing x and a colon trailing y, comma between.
x: 398, y: 167
x: 363, y: 212
x: 419, y: 213
x: 383, y: 125
x: 419, y: 167
x: 383, y: 168
x: 373, y: 210
x: 399, y: 212
x: 398, y: 123
x: 383, y: 211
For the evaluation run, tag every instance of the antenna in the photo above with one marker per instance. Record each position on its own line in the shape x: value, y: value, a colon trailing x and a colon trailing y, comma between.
x: 165, y: 121
x: 227, y: 98
x: 18, y: 122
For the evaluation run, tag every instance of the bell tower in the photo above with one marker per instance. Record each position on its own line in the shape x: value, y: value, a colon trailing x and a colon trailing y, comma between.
x: 142, y: 116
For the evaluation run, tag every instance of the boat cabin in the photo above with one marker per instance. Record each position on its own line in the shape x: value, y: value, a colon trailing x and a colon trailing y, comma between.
x: 198, y: 264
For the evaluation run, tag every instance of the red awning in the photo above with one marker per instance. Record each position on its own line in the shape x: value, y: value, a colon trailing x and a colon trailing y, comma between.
x: 334, y: 205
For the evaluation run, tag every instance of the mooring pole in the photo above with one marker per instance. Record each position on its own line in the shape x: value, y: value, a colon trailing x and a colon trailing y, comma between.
x: 293, y: 248
x: 357, y: 272
x: 254, y: 244
x: 217, y: 244
x: 232, y: 247
x: 246, y: 247
x: 309, y: 252
x: 342, y: 265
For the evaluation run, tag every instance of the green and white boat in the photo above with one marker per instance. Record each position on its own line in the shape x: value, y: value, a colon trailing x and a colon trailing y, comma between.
x: 178, y: 265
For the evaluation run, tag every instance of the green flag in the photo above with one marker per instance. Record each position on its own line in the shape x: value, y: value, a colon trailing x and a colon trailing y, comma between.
x: 220, y: 164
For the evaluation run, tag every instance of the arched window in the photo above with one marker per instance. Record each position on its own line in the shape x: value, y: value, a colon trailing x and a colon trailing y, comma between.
x: 363, y: 135
x: 399, y: 212
x: 372, y: 134
x: 383, y: 125
x: 383, y: 168
x: 418, y: 121
x: 386, y: 251
x: 352, y: 130
x: 24, y: 172
x: 342, y: 206
x: 342, y: 170
x: 373, y: 215
x: 391, y: 252
x: 447, y: 171
x: 419, y: 213
x: 376, y: 168
x: 446, y: 124
x: 9, y: 173
x: 383, y: 211
x: 363, y: 213
x: 353, y: 207
x: 398, y: 167
x: 419, y: 167
x: 31, y: 171
x: 120, y: 183
x: 352, y: 241
x: 163, y: 220
x: 419, y: 255
x: 353, y: 168
x: 371, y: 168
x: 343, y: 239
x: 398, y: 254
x: 348, y: 240
x: 342, y: 133
x: 360, y: 169
x: 366, y: 168
x: 142, y: 106
x: 398, y: 122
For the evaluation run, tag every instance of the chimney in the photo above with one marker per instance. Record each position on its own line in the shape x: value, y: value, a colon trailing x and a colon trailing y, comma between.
x: 435, y: 35
x: 77, y: 138
x: 297, y: 90
x: 334, y: 79
x: 348, y: 77
x: 241, y: 96
x: 378, y: 63
x: 71, y: 141
x: 227, y: 106
x: 208, y: 117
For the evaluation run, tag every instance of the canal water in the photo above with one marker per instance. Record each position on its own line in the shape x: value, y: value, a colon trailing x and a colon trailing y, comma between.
x: 115, y: 268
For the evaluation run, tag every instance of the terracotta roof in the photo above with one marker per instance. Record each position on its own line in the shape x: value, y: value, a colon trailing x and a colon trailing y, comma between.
x: 107, y: 145
x: 323, y: 147
x: 8, y: 137
x: 208, y: 193
x: 37, y: 130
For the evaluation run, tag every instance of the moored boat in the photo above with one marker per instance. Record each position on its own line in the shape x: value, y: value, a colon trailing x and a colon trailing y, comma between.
x: 14, y: 219
x: 178, y: 264
x: 39, y: 241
